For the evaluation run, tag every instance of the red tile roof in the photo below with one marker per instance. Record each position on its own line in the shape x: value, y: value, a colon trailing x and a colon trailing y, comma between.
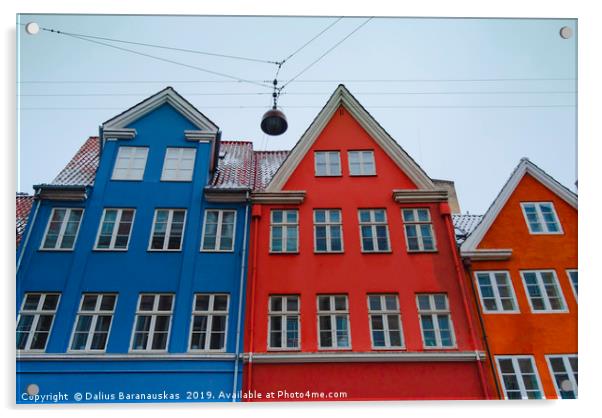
x: 266, y: 164
x: 81, y: 170
x: 235, y: 166
x: 23, y: 207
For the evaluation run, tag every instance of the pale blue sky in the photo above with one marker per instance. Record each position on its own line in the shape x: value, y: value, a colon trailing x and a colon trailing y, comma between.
x: 463, y: 134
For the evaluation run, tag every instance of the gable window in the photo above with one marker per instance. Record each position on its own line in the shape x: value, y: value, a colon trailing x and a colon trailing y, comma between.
x: 115, y: 229
x: 573, y: 278
x: 130, y: 163
x: 496, y: 291
x: 541, y: 218
x: 327, y: 163
x: 209, y: 322
x: 328, y: 231
x: 519, y: 377
x: 218, y: 230
x: 564, y: 372
x: 385, y: 321
x: 333, y: 322
x: 374, y: 230
x: 543, y: 291
x: 168, y: 230
x: 419, y: 230
x: 35, y: 320
x: 435, y: 321
x: 153, y: 321
x: 93, y: 322
x: 361, y: 163
x: 283, y: 322
x: 284, y: 231
x: 62, y: 229
x: 178, y: 164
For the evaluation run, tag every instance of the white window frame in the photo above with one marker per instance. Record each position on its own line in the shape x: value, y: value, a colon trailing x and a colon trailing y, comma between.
x: 94, y: 314
x: 417, y: 224
x: 568, y: 274
x: 373, y: 224
x: 36, y: 317
x: 362, y: 162
x: 542, y: 290
x: 59, y: 240
x: 540, y: 218
x: 218, y: 236
x: 167, y: 230
x: 330, y: 157
x: 285, y: 228
x: 570, y: 372
x: 384, y: 312
x: 332, y: 313
x: 151, y: 330
x: 209, y: 314
x: 115, y: 229
x: 434, y: 312
x: 496, y: 293
x: 518, y: 374
x: 284, y: 314
x: 179, y: 170
x: 328, y: 224
x: 129, y: 158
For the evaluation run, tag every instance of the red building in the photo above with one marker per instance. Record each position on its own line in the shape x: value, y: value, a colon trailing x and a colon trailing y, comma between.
x: 355, y: 288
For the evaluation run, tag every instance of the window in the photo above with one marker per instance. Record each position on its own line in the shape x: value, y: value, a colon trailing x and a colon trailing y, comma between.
x: 327, y: 163
x: 62, y: 229
x: 419, y: 230
x: 153, y: 321
x: 328, y: 231
x: 361, y: 163
x: 573, y: 279
x: 564, y: 374
x: 333, y: 322
x: 218, y: 230
x: 543, y: 291
x: 93, y: 322
x: 283, y: 323
x: 385, y: 322
x: 435, y: 321
x: 496, y: 291
x: 115, y: 229
x: 284, y: 231
x: 168, y: 229
x: 130, y: 163
x: 541, y: 218
x: 519, y: 377
x: 35, y: 320
x: 209, y: 322
x: 374, y: 230
x: 178, y: 164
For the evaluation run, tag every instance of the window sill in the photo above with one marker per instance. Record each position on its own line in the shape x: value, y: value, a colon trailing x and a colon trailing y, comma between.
x: 285, y: 350
x: 423, y: 251
x: 129, y: 180
x: 363, y: 175
x: 176, y: 181
x: 163, y: 251
x: 450, y: 348
x: 104, y: 250
x: 328, y: 252
x: 377, y: 252
x: 216, y: 251
x: 284, y: 252
x: 60, y: 250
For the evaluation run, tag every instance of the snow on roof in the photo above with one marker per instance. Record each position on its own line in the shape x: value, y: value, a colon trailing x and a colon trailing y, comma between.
x: 81, y: 170
x: 464, y: 225
x: 235, y: 166
x: 23, y: 207
x: 266, y: 165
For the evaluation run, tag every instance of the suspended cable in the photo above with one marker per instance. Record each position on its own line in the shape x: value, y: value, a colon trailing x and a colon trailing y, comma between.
x: 311, y: 40
x: 325, y: 53
x: 242, y: 80
x: 322, y: 107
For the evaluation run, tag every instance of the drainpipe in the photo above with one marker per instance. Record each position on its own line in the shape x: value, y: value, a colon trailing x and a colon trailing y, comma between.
x: 446, y: 213
x: 256, y: 216
x: 29, y: 229
x: 243, y: 266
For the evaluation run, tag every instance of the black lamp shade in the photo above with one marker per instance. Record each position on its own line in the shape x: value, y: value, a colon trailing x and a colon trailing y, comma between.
x: 274, y: 122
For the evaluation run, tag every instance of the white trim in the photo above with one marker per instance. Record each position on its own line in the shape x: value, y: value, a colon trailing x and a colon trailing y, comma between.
x: 488, y: 254
x: 209, y: 313
x: 167, y: 230
x: 59, y: 239
x: 420, y: 196
x: 433, y: 312
x: 384, y: 312
x: 568, y: 273
x: 362, y: 162
x: 541, y: 286
x: 569, y: 371
x: 518, y: 374
x: 541, y: 219
x: 118, y: 133
x: 496, y: 294
x: 218, y: 233
x: 525, y: 166
x: 151, y: 329
x: 283, y: 315
x: 332, y: 313
x: 179, y: 157
x: 328, y: 224
x: 36, y: 317
x: 373, y: 234
x: 130, y: 157
x: 342, y: 97
x: 115, y: 229
x: 200, y: 136
x: 417, y: 223
x: 285, y: 225
x: 366, y: 357
x: 95, y: 314
x: 329, y: 162
x: 286, y: 197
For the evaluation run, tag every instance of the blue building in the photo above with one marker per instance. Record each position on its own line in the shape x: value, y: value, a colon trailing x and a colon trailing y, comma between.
x: 131, y: 270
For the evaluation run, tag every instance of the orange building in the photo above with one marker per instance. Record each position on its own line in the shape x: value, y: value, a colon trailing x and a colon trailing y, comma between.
x: 521, y: 260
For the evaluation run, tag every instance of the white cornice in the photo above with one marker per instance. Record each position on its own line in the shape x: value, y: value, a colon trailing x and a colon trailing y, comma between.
x: 525, y: 166
x: 290, y: 197
x: 342, y: 97
x: 365, y: 357
x: 200, y: 136
x: 123, y: 357
x: 420, y: 196
x: 488, y: 254
x: 118, y: 133
x: 216, y: 195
